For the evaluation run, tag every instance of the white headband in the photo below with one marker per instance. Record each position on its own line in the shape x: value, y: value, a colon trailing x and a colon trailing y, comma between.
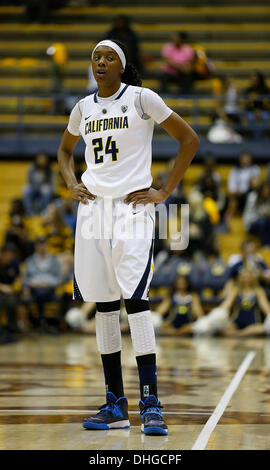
x: 113, y: 46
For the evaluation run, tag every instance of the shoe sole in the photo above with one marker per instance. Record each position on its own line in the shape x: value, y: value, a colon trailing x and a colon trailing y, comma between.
x: 154, y: 431
x: 101, y: 426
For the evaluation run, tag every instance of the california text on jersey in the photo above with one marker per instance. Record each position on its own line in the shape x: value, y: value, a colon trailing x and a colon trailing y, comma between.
x: 106, y: 124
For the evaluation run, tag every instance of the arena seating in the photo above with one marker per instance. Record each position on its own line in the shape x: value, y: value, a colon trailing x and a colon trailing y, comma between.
x: 236, y: 38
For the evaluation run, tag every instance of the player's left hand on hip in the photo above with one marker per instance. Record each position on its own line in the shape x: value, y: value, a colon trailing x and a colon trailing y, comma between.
x: 144, y: 196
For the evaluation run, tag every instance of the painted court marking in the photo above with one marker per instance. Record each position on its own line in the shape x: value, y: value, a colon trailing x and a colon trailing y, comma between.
x: 210, y: 425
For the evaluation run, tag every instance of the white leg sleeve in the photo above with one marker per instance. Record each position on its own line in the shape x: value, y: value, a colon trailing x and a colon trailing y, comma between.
x: 108, y: 333
x: 142, y: 333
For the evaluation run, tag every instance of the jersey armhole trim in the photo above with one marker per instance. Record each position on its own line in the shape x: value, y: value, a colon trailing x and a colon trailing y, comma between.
x: 139, y: 107
x: 79, y: 106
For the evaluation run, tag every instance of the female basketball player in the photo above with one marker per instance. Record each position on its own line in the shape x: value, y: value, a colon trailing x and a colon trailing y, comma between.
x: 117, y: 124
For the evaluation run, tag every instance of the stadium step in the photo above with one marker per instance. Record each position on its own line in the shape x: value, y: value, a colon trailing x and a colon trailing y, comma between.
x: 203, y: 31
x: 79, y: 68
x: 216, y: 50
x: 26, y: 85
x: 107, y: 13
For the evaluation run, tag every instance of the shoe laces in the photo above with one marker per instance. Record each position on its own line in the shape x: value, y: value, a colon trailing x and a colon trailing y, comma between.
x: 152, y: 406
x: 106, y: 410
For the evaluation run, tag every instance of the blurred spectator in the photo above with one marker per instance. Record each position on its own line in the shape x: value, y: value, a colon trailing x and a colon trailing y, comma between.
x: 239, y: 181
x: 244, y: 305
x: 257, y: 109
x: 17, y: 208
x: 16, y: 234
x: 122, y: 31
x: 231, y: 100
x: 202, y: 66
x: 58, y: 61
x: 67, y: 208
x: 38, y: 11
x: 209, y: 184
x: 9, y: 276
x: 257, y: 329
x: 181, y: 307
x: 260, y: 225
x: 247, y: 259
x: 200, y: 228
x: 257, y: 205
x: 211, y: 190
x: 42, y: 276
x: 178, y: 58
x: 209, y: 163
x: 221, y: 131
x: 247, y: 302
x: 254, y: 184
x: 59, y: 235
x: 256, y: 91
x: 39, y: 190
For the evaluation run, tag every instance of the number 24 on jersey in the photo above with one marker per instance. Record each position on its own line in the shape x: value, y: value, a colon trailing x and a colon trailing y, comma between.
x: 110, y: 148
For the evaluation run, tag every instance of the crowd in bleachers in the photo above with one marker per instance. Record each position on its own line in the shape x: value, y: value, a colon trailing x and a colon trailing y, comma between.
x: 232, y: 294
x: 184, y: 64
x: 36, y: 262
x: 229, y: 101
x: 195, y: 291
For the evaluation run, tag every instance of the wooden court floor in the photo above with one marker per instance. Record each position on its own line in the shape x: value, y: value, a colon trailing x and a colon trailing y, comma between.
x: 49, y: 384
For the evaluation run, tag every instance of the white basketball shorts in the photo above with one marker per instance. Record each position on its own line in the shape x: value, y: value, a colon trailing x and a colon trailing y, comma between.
x: 113, y: 250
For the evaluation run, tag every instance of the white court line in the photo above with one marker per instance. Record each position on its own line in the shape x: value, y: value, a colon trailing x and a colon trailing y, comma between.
x: 210, y: 425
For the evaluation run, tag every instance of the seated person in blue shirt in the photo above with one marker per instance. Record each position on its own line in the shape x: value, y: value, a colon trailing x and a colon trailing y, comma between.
x: 247, y: 303
x: 244, y: 306
x: 180, y: 308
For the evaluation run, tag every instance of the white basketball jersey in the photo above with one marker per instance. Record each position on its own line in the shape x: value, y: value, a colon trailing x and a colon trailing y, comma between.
x: 118, y: 138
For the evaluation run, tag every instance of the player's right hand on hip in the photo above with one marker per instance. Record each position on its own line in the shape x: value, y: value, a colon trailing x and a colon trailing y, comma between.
x: 80, y: 192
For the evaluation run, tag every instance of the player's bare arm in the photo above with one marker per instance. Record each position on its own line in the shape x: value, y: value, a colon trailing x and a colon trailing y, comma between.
x: 66, y: 164
x: 181, y: 131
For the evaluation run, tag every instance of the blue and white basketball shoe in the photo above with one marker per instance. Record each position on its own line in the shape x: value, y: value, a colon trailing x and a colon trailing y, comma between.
x: 152, y: 419
x: 112, y: 415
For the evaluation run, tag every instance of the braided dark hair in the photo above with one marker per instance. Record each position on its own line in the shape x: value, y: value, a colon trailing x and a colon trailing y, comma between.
x: 130, y: 75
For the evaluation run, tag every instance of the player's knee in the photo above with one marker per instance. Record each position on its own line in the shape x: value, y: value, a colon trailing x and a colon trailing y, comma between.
x: 108, y: 333
x: 108, y: 306
x: 142, y: 333
x: 136, y: 305
x: 141, y: 326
